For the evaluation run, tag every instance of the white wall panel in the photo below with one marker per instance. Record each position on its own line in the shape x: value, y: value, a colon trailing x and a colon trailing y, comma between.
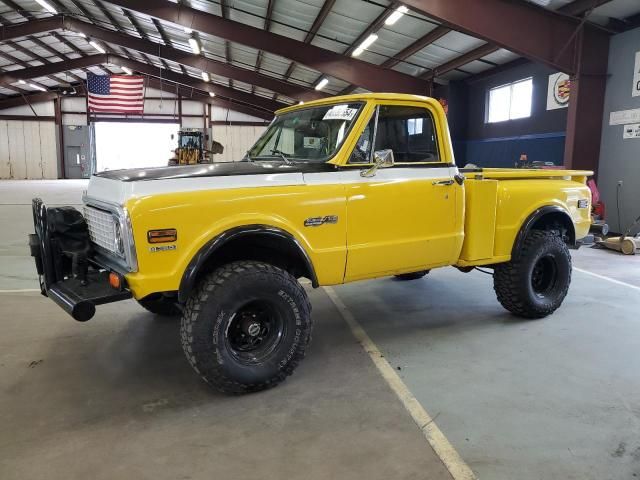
x: 42, y: 108
x: 236, y: 140
x: 5, y: 163
x: 28, y: 150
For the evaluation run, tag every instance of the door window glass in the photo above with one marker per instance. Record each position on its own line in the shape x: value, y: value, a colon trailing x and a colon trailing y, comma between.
x: 409, y: 132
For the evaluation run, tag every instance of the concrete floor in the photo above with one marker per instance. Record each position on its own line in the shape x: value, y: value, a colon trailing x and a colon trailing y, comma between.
x: 557, y: 398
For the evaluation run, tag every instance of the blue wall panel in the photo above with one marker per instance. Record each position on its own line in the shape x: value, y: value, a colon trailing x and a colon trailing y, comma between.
x: 505, y: 152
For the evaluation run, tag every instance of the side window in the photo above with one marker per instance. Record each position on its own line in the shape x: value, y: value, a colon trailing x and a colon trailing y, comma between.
x: 362, y: 152
x: 409, y: 132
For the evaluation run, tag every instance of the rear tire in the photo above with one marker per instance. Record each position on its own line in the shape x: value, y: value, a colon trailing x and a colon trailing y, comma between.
x: 411, y: 276
x: 158, y: 304
x: 246, y: 327
x: 535, y: 283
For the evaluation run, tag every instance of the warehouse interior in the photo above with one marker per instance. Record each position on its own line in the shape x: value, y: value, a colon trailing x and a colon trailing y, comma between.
x: 421, y: 379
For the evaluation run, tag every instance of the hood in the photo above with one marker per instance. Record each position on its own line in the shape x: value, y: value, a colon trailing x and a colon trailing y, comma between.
x: 212, y: 170
x: 119, y: 186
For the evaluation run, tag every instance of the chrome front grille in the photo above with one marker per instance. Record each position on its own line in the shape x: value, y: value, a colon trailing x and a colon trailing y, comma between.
x: 102, y: 228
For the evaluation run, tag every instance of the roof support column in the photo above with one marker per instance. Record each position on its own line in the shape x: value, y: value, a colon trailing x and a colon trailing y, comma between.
x: 586, y: 105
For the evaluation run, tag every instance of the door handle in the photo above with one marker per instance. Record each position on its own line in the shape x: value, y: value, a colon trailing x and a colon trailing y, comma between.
x: 443, y: 182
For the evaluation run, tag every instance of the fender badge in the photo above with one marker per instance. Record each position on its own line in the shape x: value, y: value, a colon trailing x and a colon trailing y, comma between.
x: 317, y: 221
x: 162, y: 248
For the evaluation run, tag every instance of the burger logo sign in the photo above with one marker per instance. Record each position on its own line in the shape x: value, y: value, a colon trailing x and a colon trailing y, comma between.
x: 559, y: 91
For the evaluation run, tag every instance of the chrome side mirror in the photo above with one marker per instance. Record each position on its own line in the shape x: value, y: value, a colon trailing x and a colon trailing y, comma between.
x: 381, y: 159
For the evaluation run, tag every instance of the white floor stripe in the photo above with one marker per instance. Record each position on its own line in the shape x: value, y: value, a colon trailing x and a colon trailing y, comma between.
x: 458, y: 469
x: 21, y: 290
x: 602, y: 277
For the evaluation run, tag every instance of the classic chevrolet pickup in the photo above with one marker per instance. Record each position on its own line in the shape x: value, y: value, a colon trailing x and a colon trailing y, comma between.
x: 343, y: 189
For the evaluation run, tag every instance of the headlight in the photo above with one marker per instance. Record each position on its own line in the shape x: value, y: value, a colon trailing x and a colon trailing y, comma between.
x: 117, y: 237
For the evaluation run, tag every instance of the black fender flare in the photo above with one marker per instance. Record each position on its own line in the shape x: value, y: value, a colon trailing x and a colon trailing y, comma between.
x: 532, y: 219
x: 191, y: 272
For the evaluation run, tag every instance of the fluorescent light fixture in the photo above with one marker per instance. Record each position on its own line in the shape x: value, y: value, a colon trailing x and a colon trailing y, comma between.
x: 396, y: 15
x: 322, y: 83
x: 366, y: 43
x: 48, y: 7
x: 127, y: 70
x: 188, y: 31
x: 82, y: 34
x: 205, y: 76
x: 37, y: 87
x: 22, y: 82
x: 195, y: 46
x: 211, y: 94
x: 97, y: 46
x: 300, y: 102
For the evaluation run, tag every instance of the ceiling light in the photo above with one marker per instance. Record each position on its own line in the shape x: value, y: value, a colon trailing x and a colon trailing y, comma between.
x: 47, y: 6
x: 22, y: 82
x: 205, y: 76
x: 37, y: 87
x: 300, y: 102
x: 211, y: 94
x: 396, y: 15
x: 82, y: 34
x: 188, y: 31
x: 127, y: 70
x: 195, y: 46
x: 97, y: 46
x: 322, y: 83
x: 366, y: 43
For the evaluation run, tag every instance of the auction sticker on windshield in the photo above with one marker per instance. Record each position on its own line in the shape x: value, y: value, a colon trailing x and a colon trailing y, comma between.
x: 340, y: 112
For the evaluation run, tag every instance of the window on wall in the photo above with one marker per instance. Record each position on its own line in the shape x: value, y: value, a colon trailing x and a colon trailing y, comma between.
x: 510, y: 102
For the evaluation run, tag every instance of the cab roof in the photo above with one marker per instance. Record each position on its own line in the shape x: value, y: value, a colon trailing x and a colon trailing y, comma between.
x: 366, y: 97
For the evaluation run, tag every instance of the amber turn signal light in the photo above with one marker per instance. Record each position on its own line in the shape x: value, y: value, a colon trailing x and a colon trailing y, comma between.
x: 115, y: 280
x: 162, y: 236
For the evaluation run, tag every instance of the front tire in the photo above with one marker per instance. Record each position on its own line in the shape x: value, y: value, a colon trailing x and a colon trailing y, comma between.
x: 246, y: 327
x: 535, y: 283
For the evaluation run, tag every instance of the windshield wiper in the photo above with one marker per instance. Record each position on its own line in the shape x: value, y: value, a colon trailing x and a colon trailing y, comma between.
x: 275, y: 151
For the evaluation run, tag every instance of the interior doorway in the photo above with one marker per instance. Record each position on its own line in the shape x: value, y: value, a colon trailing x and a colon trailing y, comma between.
x: 134, y: 145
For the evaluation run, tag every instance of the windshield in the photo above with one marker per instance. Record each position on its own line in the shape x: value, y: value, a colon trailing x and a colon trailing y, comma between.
x: 313, y: 134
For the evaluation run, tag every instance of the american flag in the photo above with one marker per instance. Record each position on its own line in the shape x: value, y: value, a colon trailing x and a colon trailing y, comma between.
x: 115, y: 93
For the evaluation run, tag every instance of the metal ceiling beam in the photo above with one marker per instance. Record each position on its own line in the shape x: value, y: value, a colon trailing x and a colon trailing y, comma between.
x: 536, y: 33
x: 53, y: 68
x: 199, y: 62
x: 435, y: 34
x: 337, y: 65
x: 219, y: 90
x: 372, y: 27
x: 458, y: 62
x: 317, y: 23
x: 580, y: 7
x: 188, y: 92
x: 18, y: 101
x: 230, y: 94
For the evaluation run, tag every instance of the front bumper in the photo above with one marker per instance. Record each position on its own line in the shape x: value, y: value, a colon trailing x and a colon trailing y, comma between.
x: 77, y: 284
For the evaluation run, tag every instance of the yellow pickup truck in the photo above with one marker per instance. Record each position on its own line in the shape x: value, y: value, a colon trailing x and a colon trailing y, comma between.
x: 337, y: 190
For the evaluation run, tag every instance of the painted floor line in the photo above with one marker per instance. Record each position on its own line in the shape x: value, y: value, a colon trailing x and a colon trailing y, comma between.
x: 458, y: 469
x: 21, y: 290
x: 603, y: 277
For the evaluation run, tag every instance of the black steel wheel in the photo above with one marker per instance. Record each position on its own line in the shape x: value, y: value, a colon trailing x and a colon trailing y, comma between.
x: 536, y: 281
x: 246, y: 327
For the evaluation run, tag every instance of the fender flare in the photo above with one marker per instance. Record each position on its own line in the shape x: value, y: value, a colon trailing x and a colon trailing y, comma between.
x: 187, y: 283
x: 531, y: 220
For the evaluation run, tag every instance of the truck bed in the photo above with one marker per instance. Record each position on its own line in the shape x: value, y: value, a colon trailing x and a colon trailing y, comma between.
x: 523, y: 173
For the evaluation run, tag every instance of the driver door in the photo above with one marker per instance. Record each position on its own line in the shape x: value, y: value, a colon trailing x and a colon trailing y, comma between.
x: 407, y: 217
